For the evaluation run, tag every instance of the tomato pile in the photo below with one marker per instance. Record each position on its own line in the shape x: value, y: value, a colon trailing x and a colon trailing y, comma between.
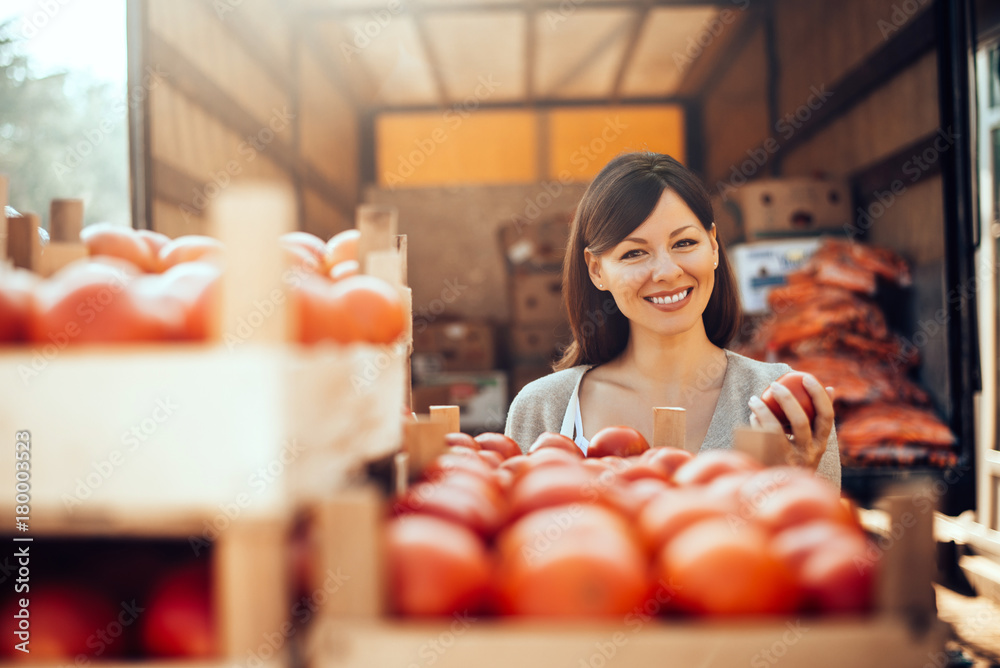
x: 655, y: 532
x: 141, y: 286
x: 70, y: 618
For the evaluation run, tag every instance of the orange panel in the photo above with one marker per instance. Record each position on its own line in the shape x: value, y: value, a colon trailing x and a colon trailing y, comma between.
x: 454, y: 147
x: 584, y: 140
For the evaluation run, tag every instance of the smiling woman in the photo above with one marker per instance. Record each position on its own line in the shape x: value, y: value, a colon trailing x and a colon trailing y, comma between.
x: 652, y: 304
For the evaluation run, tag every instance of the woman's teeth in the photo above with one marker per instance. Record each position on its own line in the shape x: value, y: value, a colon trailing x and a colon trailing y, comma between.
x: 670, y: 300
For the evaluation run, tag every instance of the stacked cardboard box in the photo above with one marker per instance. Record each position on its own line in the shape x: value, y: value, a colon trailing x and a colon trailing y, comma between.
x: 539, y: 329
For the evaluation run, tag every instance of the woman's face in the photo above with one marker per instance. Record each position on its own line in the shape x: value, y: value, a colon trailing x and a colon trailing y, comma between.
x: 662, y: 274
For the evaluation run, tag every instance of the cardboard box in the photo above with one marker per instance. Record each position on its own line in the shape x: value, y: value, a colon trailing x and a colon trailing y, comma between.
x: 536, y: 245
x: 534, y: 344
x: 462, y: 345
x: 481, y: 397
x: 771, y: 208
x: 762, y: 265
x: 536, y: 298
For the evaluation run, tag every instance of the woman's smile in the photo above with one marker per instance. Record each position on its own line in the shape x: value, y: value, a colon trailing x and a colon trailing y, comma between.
x: 670, y: 301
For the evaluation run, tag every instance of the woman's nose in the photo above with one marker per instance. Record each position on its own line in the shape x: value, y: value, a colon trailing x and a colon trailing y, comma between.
x: 665, y: 269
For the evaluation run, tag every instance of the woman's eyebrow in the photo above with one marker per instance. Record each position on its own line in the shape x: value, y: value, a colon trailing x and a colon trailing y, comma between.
x: 673, y: 234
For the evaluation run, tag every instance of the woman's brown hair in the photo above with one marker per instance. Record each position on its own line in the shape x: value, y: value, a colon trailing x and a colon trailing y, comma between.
x: 620, y: 198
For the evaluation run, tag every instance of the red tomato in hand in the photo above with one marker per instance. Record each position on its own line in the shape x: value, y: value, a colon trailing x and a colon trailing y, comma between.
x: 793, y: 381
x: 618, y: 441
x: 435, y: 567
x: 558, y: 441
x: 179, y: 620
x: 498, y: 443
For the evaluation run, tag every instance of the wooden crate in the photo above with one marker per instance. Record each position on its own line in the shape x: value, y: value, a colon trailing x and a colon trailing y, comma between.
x: 354, y: 632
x: 249, y: 570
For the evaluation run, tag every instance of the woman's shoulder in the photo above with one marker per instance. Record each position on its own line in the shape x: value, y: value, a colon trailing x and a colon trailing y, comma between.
x: 541, y: 405
x: 754, y: 373
x: 553, y: 384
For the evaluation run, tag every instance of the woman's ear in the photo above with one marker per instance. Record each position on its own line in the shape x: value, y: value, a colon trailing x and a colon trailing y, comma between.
x: 593, y: 268
x: 712, y: 235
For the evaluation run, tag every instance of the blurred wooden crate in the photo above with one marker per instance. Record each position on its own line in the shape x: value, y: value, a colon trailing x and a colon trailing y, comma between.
x: 176, y: 429
x: 353, y: 631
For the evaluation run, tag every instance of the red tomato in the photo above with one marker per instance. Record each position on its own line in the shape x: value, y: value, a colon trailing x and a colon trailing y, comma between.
x: 553, y: 486
x: 342, y: 247
x: 668, y: 459
x: 188, y: 248
x: 435, y: 567
x: 631, y: 498
x: 344, y: 269
x: 458, y: 497
x: 448, y: 463
x: 463, y: 450
x: 667, y: 514
x: 65, y: 620
x: 195, y: 286
x: 179, y: 619
x: 717, y: 570
x: 796, y: 543
x: 99, y: 303
x: 120, y: 242
x: 307, y: 242
x: 372, y: 305
x: 517, y: 464
x: 620, y: 441
x: 491, y: 457
x: 498, y: 443
x: 707, y: 466
x: 793, y: 381
x: 458, y: 438
x: 801, y: 501
x: 155, y: 241
x: 16, y: 288
x: 300, y: 258
x: 550, y: 440
x: 839, y: 577
x: 643, y: 470
x: 570, y: 561
x: 318, y: 316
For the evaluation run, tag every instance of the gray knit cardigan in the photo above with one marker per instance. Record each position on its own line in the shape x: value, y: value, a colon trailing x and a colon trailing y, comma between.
x: 541, y: 406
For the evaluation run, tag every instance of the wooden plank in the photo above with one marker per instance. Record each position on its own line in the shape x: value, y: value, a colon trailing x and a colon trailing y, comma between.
x: 378, y: 225
x: 879, y: 177
x: 65, y: 219
x: 907, y: 565
x: 57, y: 254
x: 348, y: 527
x: 432, y: 61
x: 139, y: 133
x: 449, y: 415
x: 250, y: 563
x: 669, y: 428
x: 23, y: 243
x: 251, y: 283
x: 423, y: 440
x: 768, y: 447
x: 631, y: 42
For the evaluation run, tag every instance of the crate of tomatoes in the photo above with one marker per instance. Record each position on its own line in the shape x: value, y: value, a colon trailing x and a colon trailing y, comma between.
x: 167, y: 376
x: 630, y: 556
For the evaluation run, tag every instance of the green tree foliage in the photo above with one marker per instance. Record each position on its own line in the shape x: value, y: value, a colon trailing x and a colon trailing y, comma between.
x: 62, y: 135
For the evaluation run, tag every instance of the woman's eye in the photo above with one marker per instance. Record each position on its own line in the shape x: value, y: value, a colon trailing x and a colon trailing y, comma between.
x: 631, y: 254
x: 684, y: 243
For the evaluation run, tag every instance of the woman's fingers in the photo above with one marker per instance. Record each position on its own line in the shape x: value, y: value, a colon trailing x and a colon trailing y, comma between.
x: 763, y: 416
x: 794, y: 413
x: 823, y: 403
